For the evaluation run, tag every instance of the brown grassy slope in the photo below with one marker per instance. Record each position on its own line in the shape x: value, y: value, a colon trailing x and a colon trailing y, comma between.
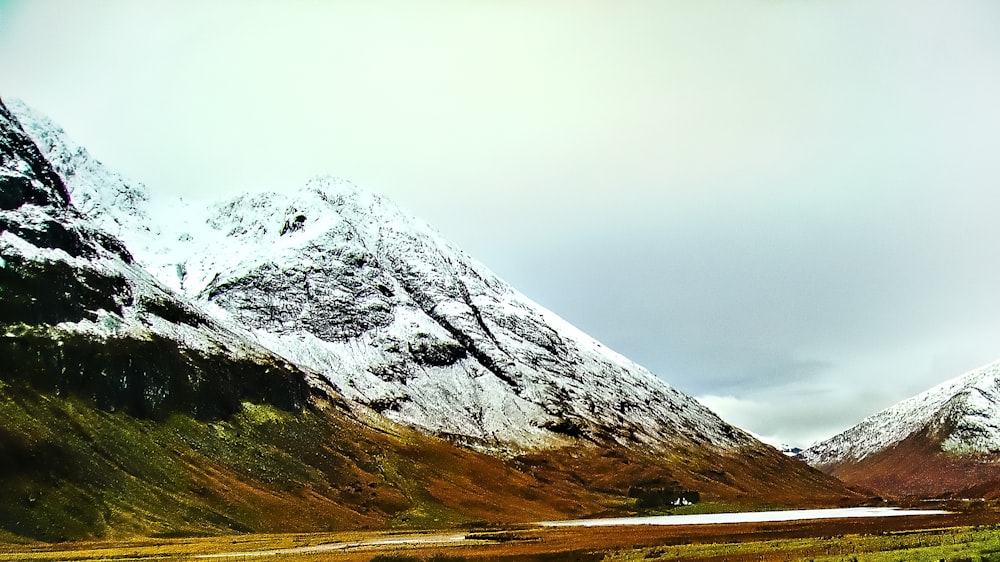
x: 757, y: 477
x: 69, y: 470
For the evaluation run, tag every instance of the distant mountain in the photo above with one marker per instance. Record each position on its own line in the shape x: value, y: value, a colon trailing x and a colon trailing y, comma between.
x: 945, y: 441
x: 220, y: 380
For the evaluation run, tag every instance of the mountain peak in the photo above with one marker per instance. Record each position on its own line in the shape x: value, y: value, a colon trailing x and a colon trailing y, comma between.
x: 335, y: 190
x: 957, y: 410
x: 971, y: 418
x: 115, y: 203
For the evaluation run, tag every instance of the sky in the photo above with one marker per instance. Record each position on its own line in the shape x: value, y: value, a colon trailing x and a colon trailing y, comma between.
x: 786, y: 208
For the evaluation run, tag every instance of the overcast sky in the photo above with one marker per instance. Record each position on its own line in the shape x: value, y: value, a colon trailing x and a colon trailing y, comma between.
x: 788, y: 208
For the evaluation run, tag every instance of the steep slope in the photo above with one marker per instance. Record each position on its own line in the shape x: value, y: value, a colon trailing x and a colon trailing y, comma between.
x: 341, y: 281
x: 127, y: 410
x: 943, y: 441
x: 401, y: 320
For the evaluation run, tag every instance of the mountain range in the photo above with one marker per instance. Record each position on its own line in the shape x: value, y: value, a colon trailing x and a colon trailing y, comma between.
x: 312, y: 360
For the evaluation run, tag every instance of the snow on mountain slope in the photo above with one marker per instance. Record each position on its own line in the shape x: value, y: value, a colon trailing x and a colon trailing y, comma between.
x: 962, y: 414
x: 342, y: 281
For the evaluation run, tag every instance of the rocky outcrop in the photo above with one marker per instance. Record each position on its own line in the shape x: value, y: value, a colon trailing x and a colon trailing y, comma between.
x: 25, y: 175
x: 78, y: 316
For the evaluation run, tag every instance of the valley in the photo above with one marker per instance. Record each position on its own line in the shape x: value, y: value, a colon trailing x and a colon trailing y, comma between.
x: 969, y: 534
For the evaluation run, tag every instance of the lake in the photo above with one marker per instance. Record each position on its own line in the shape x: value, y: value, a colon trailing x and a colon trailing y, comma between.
x: 747, y: 517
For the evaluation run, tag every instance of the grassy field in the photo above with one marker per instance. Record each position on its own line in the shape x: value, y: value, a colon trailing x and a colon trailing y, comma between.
x: 931, y: 545
x: 934, y: 538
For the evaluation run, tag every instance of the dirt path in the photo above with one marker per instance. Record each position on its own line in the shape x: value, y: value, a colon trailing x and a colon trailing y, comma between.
x: 399, y: 541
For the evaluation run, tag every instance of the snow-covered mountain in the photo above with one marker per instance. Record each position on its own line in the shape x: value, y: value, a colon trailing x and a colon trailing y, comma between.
x: 342, y: 281
x: 126, y: 410
x: 112, y: 202
x: 957, y: 419
x: 964, y: 413
x: 201, y: 397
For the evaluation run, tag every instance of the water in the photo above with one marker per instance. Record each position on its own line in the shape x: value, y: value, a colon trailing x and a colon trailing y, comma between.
x: 748, y: 517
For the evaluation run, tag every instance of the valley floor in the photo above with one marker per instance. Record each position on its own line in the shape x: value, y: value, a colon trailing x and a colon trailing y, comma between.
x: 971, y: 535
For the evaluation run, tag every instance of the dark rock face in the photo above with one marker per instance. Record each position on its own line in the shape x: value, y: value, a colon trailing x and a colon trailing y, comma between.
x: 172, y: 310
x: 37, y: 292
x: 433, y: 352
x: 149, y: 377
x: 293, y: 224
x: 63, y: 229
x: 335, y: 297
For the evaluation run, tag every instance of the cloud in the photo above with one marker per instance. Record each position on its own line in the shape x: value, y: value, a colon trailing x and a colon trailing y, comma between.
x: 793, y: 423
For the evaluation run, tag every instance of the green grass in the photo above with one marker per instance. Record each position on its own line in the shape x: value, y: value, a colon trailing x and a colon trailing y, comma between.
x: 69, y: 470
x: 960, y: 544
x: 425, y: 512
x: 701, y: 508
